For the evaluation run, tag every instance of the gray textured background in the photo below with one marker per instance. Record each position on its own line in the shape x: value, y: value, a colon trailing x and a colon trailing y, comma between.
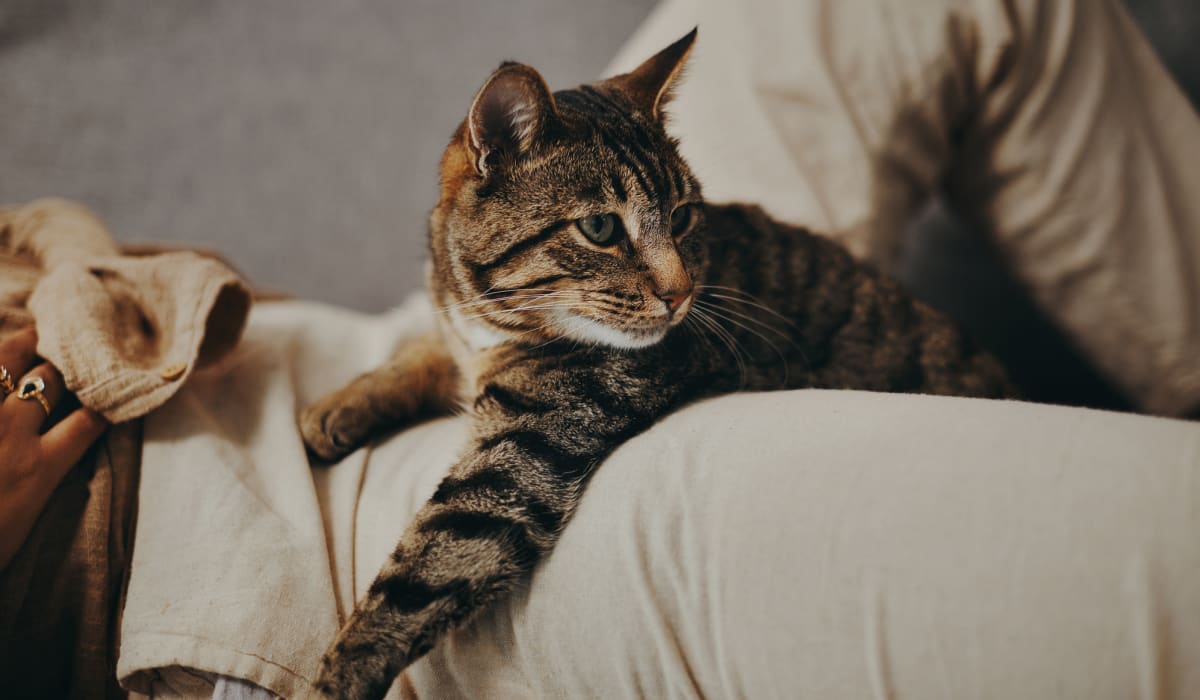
x: 299, y: 137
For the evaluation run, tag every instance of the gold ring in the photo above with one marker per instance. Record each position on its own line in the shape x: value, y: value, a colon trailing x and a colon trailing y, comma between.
x: 6, y: 384
x: 32, y: 387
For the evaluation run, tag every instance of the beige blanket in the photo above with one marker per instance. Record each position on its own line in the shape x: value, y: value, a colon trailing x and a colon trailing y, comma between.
x: 126, y: 332
x: 244, y: 558
x: 790, y: 544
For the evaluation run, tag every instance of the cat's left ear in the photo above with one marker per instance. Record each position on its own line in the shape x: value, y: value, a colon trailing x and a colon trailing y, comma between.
x: 651, y: 84
x: 511, y: 112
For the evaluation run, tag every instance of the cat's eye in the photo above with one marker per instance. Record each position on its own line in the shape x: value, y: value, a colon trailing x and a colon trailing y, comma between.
x: 681, y: 220
x: 604, y: 229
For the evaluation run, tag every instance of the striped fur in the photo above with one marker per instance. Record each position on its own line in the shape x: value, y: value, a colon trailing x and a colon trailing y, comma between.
x: 562, y: 349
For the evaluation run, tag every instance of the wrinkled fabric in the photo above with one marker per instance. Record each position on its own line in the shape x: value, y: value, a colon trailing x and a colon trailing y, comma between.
x: 242, y: 564
x: 836, y: 544
x: 1049, y: 124
x: 125, y: 332
x: 791, y: 544
x: 60, y: 596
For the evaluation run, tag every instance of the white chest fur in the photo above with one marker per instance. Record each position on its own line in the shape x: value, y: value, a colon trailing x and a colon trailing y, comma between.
x: 468, y: 340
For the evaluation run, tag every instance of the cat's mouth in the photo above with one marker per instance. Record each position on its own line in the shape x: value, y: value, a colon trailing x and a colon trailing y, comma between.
x: 624, y: 335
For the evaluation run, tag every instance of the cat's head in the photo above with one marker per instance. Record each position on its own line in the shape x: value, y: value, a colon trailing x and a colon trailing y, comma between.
x: 570, y: 214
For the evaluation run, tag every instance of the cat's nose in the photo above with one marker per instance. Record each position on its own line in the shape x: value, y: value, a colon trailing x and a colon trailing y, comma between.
x: 673, y: 299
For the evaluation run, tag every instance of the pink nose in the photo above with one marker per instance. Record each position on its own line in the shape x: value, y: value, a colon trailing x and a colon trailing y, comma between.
x: 673, y: 300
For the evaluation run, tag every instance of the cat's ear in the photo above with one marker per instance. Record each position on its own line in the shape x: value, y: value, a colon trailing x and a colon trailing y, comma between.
x: 511, y: 113
x: 651, y: 84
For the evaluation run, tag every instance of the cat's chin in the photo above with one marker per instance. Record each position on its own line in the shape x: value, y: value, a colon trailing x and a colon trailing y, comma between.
x: 588, y: 330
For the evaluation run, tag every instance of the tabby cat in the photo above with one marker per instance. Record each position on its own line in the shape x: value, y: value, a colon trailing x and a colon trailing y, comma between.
x: 586, y: 290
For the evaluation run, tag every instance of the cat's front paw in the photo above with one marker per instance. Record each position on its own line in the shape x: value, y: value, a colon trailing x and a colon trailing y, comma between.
x: 367, y: 680
x: 364, y: 660
x: 331, y: 429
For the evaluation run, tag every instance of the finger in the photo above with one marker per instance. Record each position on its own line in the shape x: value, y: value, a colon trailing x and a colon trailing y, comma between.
x: 65, y: 443
x: 17, y: 353
x: 29, y: 414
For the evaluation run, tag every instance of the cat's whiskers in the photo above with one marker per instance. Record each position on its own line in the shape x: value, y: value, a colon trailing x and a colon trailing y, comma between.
x: 749, y: 318
x: 557, y: 299
x: 562, y: 298
x: 744, y: 298
x: 478, y: 302
x: 694, y: 327
x: 734, y: 345
x: 551, y: 339
x: 727, y: 338
x: 540, y: 328
x: 723, y: 313
x: 480, y: 308
x: 791, y: 339
x: 490, y: 297
x: 532, y: 307
x: 524, y: 301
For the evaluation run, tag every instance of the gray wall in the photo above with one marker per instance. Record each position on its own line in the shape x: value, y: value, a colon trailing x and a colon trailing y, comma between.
x: 299, y: 137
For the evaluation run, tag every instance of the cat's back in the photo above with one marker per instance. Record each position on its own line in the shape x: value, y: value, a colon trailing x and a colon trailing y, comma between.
x: 840, y: 322
x: 736, y: 225
x: 771, y: 259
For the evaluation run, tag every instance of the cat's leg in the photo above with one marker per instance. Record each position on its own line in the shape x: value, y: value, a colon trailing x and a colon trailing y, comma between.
x: 538, y: 431
x: 490, y: 521
x: 420, y: 377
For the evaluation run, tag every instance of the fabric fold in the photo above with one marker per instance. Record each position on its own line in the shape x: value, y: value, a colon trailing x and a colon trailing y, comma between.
x: 160, y: 318
x: 125, y: 331
x: 240, y: 563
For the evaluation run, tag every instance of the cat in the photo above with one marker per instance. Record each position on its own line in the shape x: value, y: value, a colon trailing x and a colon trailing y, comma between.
x: 586, y: 290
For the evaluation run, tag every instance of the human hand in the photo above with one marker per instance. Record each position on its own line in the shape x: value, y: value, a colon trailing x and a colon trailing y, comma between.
x: 36, y: 452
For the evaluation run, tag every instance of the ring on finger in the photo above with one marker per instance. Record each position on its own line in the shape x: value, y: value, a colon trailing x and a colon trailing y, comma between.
x: 6, y: 382
x: 32, y: 388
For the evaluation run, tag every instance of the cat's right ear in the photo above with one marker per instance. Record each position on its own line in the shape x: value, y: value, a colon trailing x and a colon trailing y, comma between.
x: 511, y: 113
